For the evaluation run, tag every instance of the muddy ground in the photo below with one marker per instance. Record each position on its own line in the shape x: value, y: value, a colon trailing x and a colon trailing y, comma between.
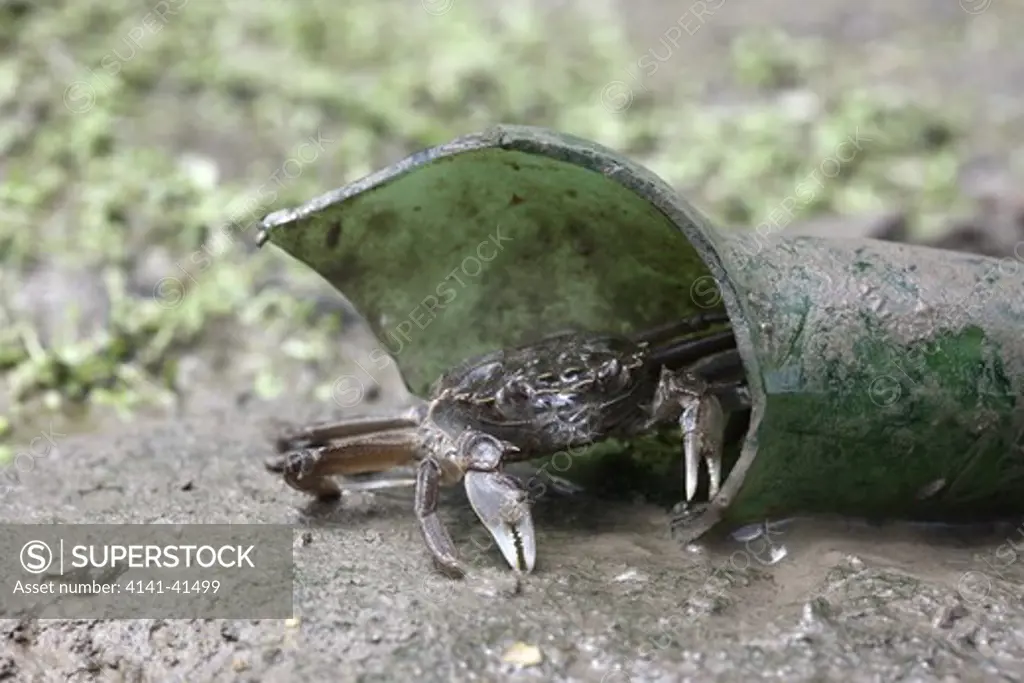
x: 613, y: 598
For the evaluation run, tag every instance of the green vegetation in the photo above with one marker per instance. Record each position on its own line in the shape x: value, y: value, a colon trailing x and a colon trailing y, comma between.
x: 141, y: 146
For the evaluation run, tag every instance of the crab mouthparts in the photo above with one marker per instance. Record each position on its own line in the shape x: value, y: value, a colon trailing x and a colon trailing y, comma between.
x: 503, y: 507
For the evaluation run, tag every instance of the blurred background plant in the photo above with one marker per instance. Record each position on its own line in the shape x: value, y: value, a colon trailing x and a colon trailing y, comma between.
x: 132, y: 134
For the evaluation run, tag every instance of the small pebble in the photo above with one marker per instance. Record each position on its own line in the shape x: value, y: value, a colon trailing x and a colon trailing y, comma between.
x: 291, y: 622
x: 948, y: 616
x: 522, y: 655
x: 630, y: 575
x: 778, y: 554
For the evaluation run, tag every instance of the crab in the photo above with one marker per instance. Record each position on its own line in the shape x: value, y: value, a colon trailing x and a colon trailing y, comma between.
x: 565, y: 390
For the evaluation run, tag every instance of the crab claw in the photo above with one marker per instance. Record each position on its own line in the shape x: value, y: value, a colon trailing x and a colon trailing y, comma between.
x: 502, y: 505
x: 703, y: 425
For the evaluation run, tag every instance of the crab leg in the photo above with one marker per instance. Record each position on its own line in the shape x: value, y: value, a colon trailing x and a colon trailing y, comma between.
x: 321, y: 433
x: 719, y: 368
x: 669, y: 331
x: 683, y: 353
x: 428, y: 491
x: 309, y: 469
